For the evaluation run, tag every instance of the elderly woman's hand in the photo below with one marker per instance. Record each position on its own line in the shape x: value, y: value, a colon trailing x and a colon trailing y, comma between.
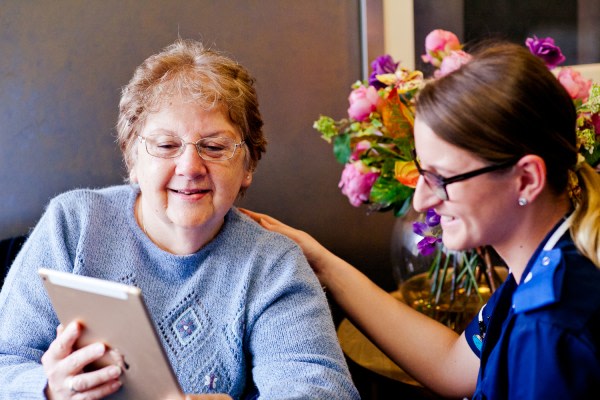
x: 64, y: 368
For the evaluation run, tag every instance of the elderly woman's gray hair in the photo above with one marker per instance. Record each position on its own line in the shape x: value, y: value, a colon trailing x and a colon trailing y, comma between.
x: 187, y: 69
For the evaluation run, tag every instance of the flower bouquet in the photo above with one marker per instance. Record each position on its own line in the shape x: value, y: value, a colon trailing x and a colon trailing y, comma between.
x: 585, y: 95
x: 374, y: 143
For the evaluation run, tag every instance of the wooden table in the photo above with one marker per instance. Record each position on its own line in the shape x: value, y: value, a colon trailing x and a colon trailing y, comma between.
x: 360, y: 350
x: 363, y: 352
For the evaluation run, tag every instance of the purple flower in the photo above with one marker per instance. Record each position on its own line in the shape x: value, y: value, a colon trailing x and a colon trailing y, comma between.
x: 381, y: 65
x: 546, y: 50
x: 420, y: 228
x: 432, y: 218
x: 430, y: 230
x: 426, y: 227
x: 427, y: 245
x: 596, y: 123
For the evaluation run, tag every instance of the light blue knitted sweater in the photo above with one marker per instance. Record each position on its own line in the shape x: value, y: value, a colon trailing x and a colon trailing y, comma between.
x: 254, y: 313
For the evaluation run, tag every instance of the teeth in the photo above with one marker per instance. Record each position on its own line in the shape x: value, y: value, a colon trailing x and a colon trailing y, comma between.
x: 188, y: 192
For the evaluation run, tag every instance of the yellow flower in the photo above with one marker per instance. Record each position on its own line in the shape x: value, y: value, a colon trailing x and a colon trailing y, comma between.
x: 406, y: 173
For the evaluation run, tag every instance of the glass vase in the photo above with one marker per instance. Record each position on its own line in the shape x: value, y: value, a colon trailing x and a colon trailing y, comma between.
x: 448, y: 286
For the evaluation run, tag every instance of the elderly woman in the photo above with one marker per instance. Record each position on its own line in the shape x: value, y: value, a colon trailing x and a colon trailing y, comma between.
x: 238, y: 309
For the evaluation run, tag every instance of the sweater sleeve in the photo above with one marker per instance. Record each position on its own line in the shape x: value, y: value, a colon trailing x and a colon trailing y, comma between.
x: 293, y: 345
x: 27, y: 320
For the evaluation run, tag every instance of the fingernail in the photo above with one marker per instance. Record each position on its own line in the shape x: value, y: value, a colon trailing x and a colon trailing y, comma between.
x: 114, y: 371
x: 99, y: 348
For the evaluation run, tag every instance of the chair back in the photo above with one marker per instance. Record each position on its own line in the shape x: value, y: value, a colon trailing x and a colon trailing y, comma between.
x: 9, y: 248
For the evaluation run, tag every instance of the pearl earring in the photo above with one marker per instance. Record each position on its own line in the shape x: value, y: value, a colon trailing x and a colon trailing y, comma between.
x: 522, y: 201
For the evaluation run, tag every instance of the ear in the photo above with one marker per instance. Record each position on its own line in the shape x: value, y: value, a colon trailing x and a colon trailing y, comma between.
x: 132, y: 174
x: 532, y: 176
x: 247, y: 180
x: 131, y: 158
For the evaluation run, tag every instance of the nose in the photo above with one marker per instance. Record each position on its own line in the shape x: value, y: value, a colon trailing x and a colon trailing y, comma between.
x: 189, y: 163
x: 424, y: 198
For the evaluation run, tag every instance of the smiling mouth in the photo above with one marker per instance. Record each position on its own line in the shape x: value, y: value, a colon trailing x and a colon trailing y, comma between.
x: 446, y: 218
x: 190, y: 192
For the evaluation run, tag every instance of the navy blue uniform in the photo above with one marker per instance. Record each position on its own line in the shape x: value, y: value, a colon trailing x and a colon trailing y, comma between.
x: 541, y: 339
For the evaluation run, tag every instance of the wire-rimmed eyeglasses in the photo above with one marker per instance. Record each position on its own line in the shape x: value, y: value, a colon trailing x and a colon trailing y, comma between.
x: 438, y: 183
x: 209, y: 148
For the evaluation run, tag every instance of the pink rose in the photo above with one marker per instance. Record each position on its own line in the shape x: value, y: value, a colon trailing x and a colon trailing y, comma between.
x: 359, y: 149
x: 452, y: 62
x: 576, y: 85
x: 356, y: 182
x: 438, y: 44
x: 363, y: 101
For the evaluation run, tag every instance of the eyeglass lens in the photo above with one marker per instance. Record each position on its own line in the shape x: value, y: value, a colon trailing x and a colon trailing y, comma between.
x: 438, y: 183
x: 433, y: 181
x: 210, y: 149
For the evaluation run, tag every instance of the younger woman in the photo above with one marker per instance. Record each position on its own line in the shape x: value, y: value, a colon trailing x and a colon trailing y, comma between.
x: 497, y: 153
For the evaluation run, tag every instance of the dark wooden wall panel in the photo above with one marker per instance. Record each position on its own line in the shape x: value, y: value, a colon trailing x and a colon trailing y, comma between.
x: 63, y: 63
x: 572, y: 23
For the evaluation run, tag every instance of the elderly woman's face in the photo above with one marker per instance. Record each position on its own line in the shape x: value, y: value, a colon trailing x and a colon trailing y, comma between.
x: 188, y: 192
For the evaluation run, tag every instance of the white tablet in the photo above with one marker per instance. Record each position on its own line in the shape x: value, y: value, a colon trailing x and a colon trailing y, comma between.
x: 115, y: 314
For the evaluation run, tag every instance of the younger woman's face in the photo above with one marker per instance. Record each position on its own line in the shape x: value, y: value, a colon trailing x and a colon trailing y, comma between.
x: 480, y: 210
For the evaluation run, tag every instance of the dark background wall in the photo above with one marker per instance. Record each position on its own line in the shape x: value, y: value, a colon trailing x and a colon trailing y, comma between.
x: 572, y: 23
x: 63, y: 63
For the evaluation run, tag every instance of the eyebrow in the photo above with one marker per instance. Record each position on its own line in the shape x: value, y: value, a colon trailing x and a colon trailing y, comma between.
x: 209, y: 135
x: 433, y: 169
x: 444, y: 173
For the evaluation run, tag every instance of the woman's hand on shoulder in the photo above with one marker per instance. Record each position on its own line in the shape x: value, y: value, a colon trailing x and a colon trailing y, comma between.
x: 314, y: 252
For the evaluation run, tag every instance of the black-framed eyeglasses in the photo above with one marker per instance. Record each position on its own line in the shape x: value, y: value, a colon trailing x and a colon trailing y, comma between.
x: 209, y: 149
x: 438, y: 183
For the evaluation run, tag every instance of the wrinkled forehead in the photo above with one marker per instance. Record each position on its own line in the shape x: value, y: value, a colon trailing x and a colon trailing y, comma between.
x: 182, y: 88
x: 183, y: 117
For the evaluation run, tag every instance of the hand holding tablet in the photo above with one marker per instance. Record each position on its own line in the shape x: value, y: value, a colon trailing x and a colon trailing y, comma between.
x: 115, y: 314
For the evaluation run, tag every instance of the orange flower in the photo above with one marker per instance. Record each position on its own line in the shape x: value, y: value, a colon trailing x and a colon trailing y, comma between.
x: 396, y: 116
x: 406, y: 173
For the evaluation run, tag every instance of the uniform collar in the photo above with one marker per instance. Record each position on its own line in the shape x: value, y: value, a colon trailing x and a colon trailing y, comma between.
x: 541, y: 282
x: 558, y: 232
x: 548, y: 243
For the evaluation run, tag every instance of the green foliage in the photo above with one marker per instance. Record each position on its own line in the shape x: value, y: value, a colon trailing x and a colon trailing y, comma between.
x: 594, y: 157
x: 389, y: 194
x: 327, y: 127
x: 341, y: 148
